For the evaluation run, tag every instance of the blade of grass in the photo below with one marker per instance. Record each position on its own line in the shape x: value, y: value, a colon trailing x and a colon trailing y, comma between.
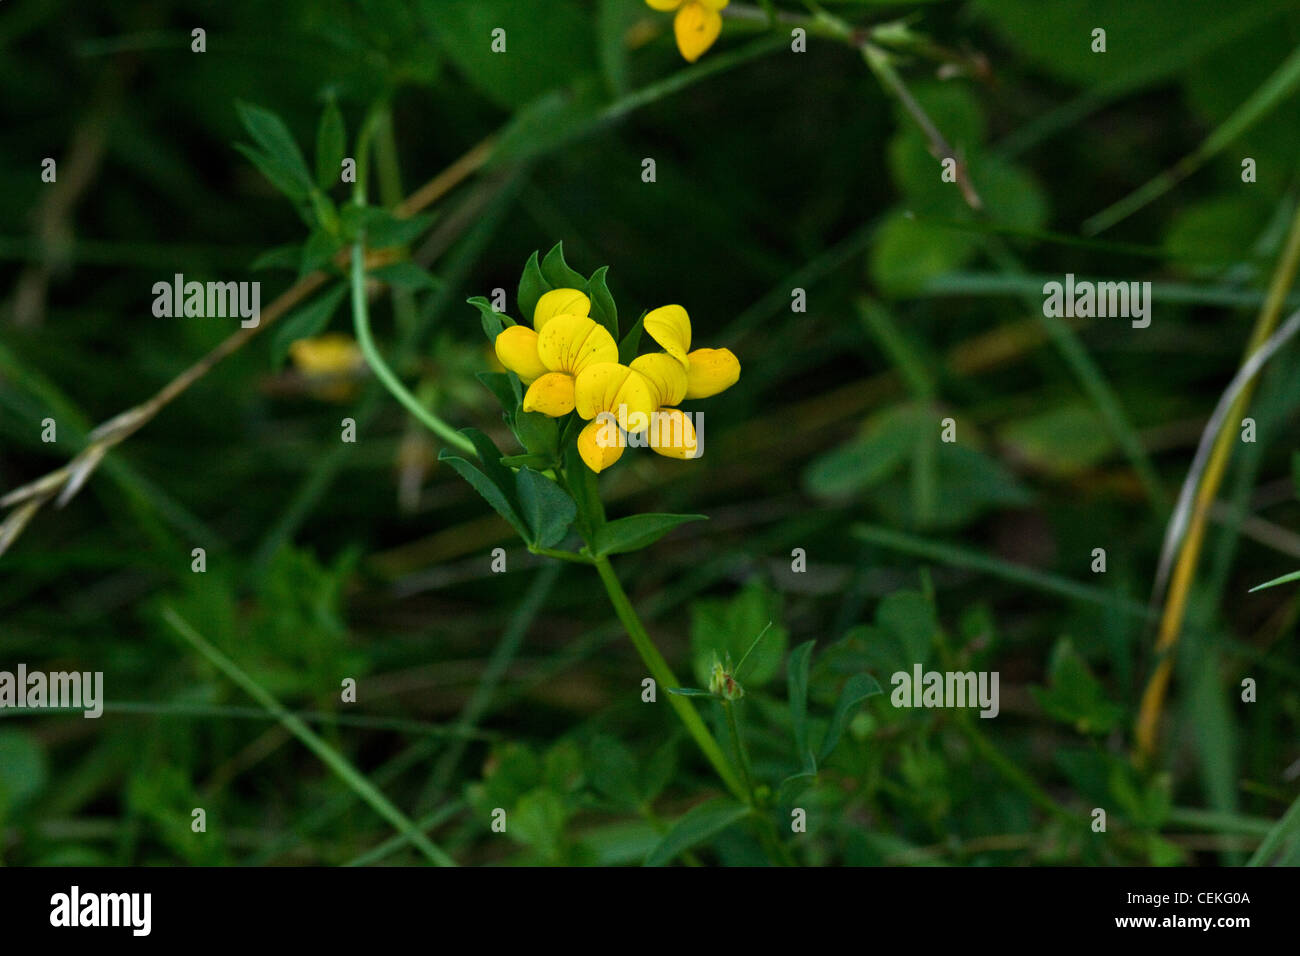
x: 1016, y: 573
x: 332, y: 759
x: 1287, y: 828
x: 1284, y: 81
x: 1205, y: 486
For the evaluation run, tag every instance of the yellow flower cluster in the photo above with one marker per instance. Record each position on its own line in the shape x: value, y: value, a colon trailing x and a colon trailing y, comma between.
x: 569, y: 362
x: 696, y: 25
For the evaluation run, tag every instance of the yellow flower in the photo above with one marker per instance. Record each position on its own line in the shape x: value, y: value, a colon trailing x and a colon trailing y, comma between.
x: 549, y: 357
x: 613, y: 399
x: 696, y: 25
x: 708, y: 371
x: 328, y: 362
x: 672, y: 434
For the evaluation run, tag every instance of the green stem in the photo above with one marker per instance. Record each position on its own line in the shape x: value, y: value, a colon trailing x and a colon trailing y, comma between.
x: 665, y: 678
x: 361, y: 308
x: 743, y: 757
x: 361, y: 323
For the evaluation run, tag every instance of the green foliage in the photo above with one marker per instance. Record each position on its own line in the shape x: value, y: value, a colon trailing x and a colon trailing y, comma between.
x: 329, y: 561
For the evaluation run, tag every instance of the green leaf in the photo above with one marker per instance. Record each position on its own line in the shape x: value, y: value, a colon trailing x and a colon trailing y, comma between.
x: 1284, y: 579
x: 538, y: 821
x: 692, y: 692
x: 405, y: 275
x: 532, y: 286
x: 908, y: 619
x: 318, y: 251
x: 498, y: 383
x: 331, y: 141
x: 797, y: 683
x: 557, y: 272
x: 857, y: 689
x: 276, y: 143
x: 490, y: 492
x: 631, y: 342
x: 538, y: 433
x: 586, y: 493
x: 493, y: 322
x: 305, y: 322
x: 637, y: 531
x: 490, y: 463
x: 698, y: 825
x: 537, y: 462
x: 382, y: 229
x: 603, y: 309
x: 886, y: 441
x: 1074, y: 696
x: 281, y: 257
x: 283, y: 179
x: 547, y: 508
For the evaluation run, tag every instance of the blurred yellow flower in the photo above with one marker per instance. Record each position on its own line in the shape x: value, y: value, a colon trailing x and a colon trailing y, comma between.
x: 696, y: 25
x: 329, y: 362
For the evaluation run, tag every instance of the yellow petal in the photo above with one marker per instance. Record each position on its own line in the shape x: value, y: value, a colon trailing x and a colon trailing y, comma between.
x: 610, y: 387
x: 516, y: 347
x: 664, y: 5
x: 552, y: 395
x: 600, y: 444
x: 711, y: 371
x: 670, y: 326
x: 672, y: 434
x: 559, y: 302
x: 696, y: 27
x: 569, y: 343
x: 666, y: 376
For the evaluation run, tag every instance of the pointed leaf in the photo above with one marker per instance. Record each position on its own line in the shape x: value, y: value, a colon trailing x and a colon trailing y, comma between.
x: 331, y: 140
x: 637, y: 531
x: 547, y: 508
x: 532, y: 286
x: 797, y: 681
x: 490, y: 492
x: 557, y: 272
x: 631, y: 342
x: 698, y: 825
x: 858, y: 688
x: 603, y: 309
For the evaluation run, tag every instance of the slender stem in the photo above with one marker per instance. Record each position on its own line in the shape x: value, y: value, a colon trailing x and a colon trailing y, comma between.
x: 743, y: 757
x: 665, y: 678
x: 361, y: 324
